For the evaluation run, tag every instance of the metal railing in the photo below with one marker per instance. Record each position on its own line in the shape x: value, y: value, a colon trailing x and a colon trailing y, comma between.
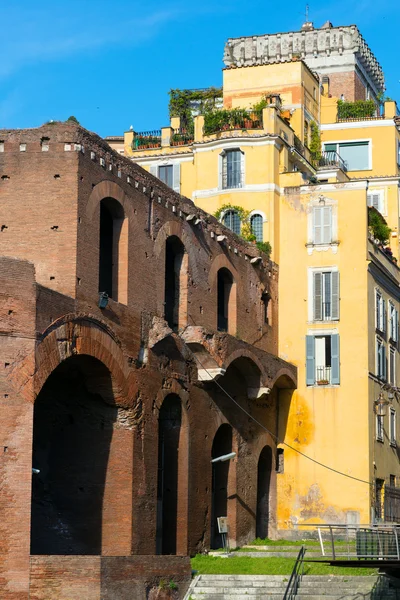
x: 296, y: 576
x: 323, y: 375
x: 147, y: 139
x: 329, y: 158
x: 182, y: 137
x: 359, y: 541
x: 298, y: 145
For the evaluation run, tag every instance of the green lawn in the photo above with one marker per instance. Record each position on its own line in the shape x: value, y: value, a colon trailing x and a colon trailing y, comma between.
x: 243, y: 565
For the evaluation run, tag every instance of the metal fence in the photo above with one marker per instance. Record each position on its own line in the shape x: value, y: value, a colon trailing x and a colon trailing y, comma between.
x: 392, y: 504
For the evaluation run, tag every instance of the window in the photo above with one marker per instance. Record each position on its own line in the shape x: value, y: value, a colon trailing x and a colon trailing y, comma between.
x: 392, y: 366
x: 380, y: 359
x: 380, y: 312
x: 398, y: 153
x: 169, y: 174
x: 379, y: 428
x: 354, y: 154
x: 232, y: 176
x: 231, y: 220
x: 376, y: 199
x: 166, y: 174
x: 113, y: 250
x: 175, y: 290
x: 256, y: 222
x: 393, y: 323
x: 326, y: 296
x: 392, y: 480
x: 322, y: 359
x: 322, y: 224
x: 266, y: 304
x: 392, y: 426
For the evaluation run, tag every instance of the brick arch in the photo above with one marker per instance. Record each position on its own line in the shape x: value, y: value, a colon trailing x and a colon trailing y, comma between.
x: 218, y: 263
x: 169, y: 229
x: 83, y: 336
x: 108, y: 189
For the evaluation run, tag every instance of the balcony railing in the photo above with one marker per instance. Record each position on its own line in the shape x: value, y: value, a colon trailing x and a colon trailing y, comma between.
x: 298, y: 145
x: 147, y: 139
x: 323, y: 376
x: 329, y: 158
x: 228, y: 120
x: 182, y: 137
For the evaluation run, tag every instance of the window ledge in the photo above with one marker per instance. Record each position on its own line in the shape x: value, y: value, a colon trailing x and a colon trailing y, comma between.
x: 393, y: 444
x: 324, y: 386
x: 379, y: 440
x: 322, y: 247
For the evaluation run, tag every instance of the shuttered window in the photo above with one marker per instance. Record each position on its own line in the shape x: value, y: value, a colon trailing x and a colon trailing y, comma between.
x: 231, y: 220
x: 322, y: 360
x: 375, y: 199
x: 256, y: 222
x: 392, y: 426
x: 380, y: 312
x: 380, y: 360
x: 322, y: 224
x: 169, y: 174
x: 232, y: 169
x: 326, y: 296
x: 393, y: 323
x: 379, y: 428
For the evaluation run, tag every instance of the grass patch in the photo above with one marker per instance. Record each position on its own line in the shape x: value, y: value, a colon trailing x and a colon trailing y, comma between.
x: 268, y: 542
x: 243, y: 565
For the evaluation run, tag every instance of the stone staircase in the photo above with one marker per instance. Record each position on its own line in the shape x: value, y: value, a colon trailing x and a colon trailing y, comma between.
x: 273, y: 587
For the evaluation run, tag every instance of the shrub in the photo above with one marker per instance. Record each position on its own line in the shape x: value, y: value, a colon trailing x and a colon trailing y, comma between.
x: 357, y: 109
x: 377, y: 225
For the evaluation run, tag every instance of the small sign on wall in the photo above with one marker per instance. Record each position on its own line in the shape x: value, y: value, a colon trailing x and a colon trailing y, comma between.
x: 222, y: 524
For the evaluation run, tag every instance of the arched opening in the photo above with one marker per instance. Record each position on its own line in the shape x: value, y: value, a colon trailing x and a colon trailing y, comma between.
x: 222, y: 444
x: 226, y: 301
x: 175, y: 299
x: 73, y: 422
x: 169, y: 433
x: 263, y: 488
x: 113, y: 250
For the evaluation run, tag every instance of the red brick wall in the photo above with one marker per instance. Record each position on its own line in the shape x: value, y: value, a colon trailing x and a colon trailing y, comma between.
x: 348, y: 84
x: 105, y: 578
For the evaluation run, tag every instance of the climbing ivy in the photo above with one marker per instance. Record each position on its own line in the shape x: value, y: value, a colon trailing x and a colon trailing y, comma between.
x: 315, y: 143
x: 245, y: 225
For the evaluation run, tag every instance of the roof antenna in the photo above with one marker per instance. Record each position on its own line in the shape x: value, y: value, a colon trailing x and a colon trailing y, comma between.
x: 307, y: 25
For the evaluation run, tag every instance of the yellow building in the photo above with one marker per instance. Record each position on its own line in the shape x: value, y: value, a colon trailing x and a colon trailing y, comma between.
x: 256, y: 163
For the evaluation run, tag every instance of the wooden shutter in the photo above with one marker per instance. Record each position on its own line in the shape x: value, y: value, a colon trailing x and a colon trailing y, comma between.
x: 177, y: 178
x: 335, y: 370
x: 310, y: 360
x: 396, y: 326
x: 154, y: 170
x: 335, y: 296
x: 326, y: 225
x: 317, y: 296
x: 317, y: 224
x: 384, y: 316
x: 384, y: 363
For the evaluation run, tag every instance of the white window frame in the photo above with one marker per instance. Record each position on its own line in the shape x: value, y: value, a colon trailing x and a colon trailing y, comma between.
x: 380, y: 312
x: 382, y: 201
x: 354, y: 141
x: 242, y: 169
x: 176, y: 172
x: 262, y: 215
x: 392, y: 427
x: 315, y: 333
x: 311, y: 273
x: 380, y: 359
x: 393, y: 322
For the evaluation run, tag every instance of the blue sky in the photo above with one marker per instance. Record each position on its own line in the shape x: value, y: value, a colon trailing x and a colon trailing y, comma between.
x: 111, y: 64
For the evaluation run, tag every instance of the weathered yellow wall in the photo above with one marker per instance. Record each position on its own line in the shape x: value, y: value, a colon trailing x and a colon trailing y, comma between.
x: 329, y: 424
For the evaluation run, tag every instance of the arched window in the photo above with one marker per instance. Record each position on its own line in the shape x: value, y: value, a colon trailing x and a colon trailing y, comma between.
x: 231, y: 220
x: 226, y: 301
x: 113, y: 250
x: 176, y: 272
x: 256, y: 222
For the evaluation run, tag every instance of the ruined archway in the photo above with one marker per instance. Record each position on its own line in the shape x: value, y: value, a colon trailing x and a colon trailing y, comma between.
x: 222, y: 444
x: 73, y: 425
x: 264, y: 469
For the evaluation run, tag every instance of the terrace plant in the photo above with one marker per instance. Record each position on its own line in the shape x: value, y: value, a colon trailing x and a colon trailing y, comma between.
x: 378, y: 226
x: 356, y: 110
